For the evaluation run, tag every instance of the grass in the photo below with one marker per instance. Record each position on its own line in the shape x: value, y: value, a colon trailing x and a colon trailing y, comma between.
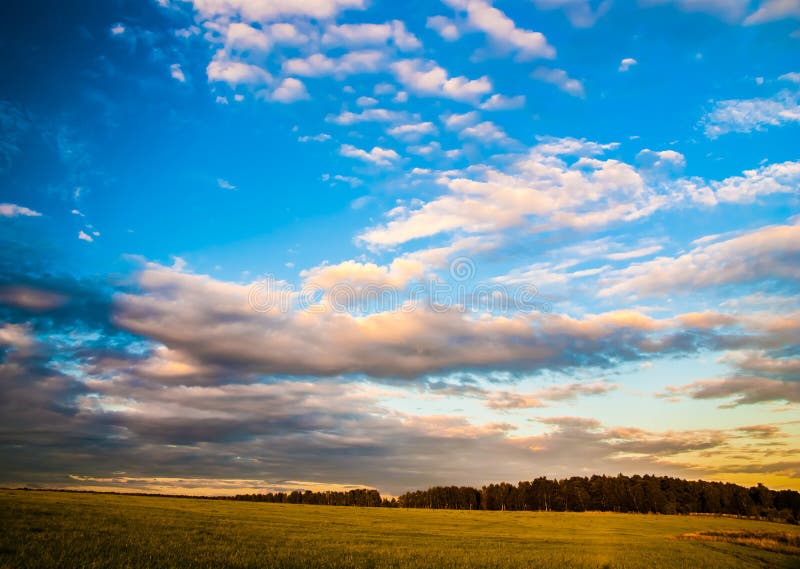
x: 66, y: 530
x: 781, y: 542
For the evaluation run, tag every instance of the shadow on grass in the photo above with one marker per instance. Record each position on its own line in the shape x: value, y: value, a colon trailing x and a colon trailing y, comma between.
x: 777, y: 542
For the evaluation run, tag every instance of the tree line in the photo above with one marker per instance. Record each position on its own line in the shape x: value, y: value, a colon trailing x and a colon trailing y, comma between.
x: 363, y: 497
x: 633, y: 494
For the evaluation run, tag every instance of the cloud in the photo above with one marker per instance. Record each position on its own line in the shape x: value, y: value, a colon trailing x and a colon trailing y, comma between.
x: 351, y: 181
x: 14, y: 210
x: 244, y: 37
x: 730, y: 10
x: 368, y: 115
x: 772, y: 10
x: 579, y: 12
x: 564, y: 392
x: 366, y: 101
x: 794, y: 77
x: 444, y: 26
x: 459, y: 122
x: 412, y: 131
x: 17, y: 336
x: 432, y: 150
x: 742, y: 390
x: 83, y: 236
x: 176, y: 72
x: 267, y: 11
x: 771, y: 252
x: 635, y: 253
x: 398, y: 274
x: 171, y: 309
x: 378, y: 156
x: 502, y: 30
x: 321, y: 137
x: 225, y: 70
x: 662, y: 160
x: 318, y: 65
x: 190, y: 382
x: 499, y: 102
x: 780, y: 178
x: 359, y: 35
x: 225, y: 184
x: 486, y: 132
x: 188, y: 486
x: 426, y: 78
x: 289, y: 90
x: 30, y: 298
x: 540, y: 185
x: 627, y: 63
x: 560, y: 79
x: 748, y: 115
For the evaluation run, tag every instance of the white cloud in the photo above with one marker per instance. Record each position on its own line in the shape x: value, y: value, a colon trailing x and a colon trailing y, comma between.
x: 579, y: 12
x: 431, y: 150
x: 486, y: 132
x: 635, y: 253
x: 662, y: 160
x: 14, y: 210
x: 769, y: 252
x: 384, y: 89
x: 224, y: 69
x: 318, y: 65
x: 772, y: 10
x: 540, y: 189
x: 289, y: 91
x: 225, y: 184
x: 359, y: 35
x: 286, y: 33
x: 747, y: 115
x: 457, y: 121
x: 545, y: 191
x: 427, y: 78
x: 794, y: 77
x: 239, y: 36
x: 321, y: 137
x: 444, y: 26
x: 366, y: 101
x: 502, y: 30
x: 85, y: 237
x: 626, y: 64
x: 412, y: 131
x: 560, y: 79
x: 176, y: 72
x: 267, y: 10
x: 398, y: 274
x: 368, y: 115
x: 730, y: 10
x: 378, y: 156
x: 351, y: 180
x: 780, y: 178
x: 499, y: 102
x: 117, y: 29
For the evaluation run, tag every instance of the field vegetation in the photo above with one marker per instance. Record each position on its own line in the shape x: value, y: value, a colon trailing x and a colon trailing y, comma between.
x: 73, y: 530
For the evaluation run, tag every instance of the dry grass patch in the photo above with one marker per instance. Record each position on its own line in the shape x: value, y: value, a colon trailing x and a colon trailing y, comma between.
x: 779, y: 542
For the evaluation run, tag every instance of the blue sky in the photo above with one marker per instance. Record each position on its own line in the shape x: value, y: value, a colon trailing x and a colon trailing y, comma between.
x: 171, y: 168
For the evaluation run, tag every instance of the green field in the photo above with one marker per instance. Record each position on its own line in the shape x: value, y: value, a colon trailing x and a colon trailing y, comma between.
x: 66, y: 530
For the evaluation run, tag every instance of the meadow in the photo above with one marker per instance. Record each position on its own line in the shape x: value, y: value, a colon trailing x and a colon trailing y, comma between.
x: 71, y: 530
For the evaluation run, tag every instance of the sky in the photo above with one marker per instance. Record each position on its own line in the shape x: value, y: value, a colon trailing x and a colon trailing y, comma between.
x: 280, y: 244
